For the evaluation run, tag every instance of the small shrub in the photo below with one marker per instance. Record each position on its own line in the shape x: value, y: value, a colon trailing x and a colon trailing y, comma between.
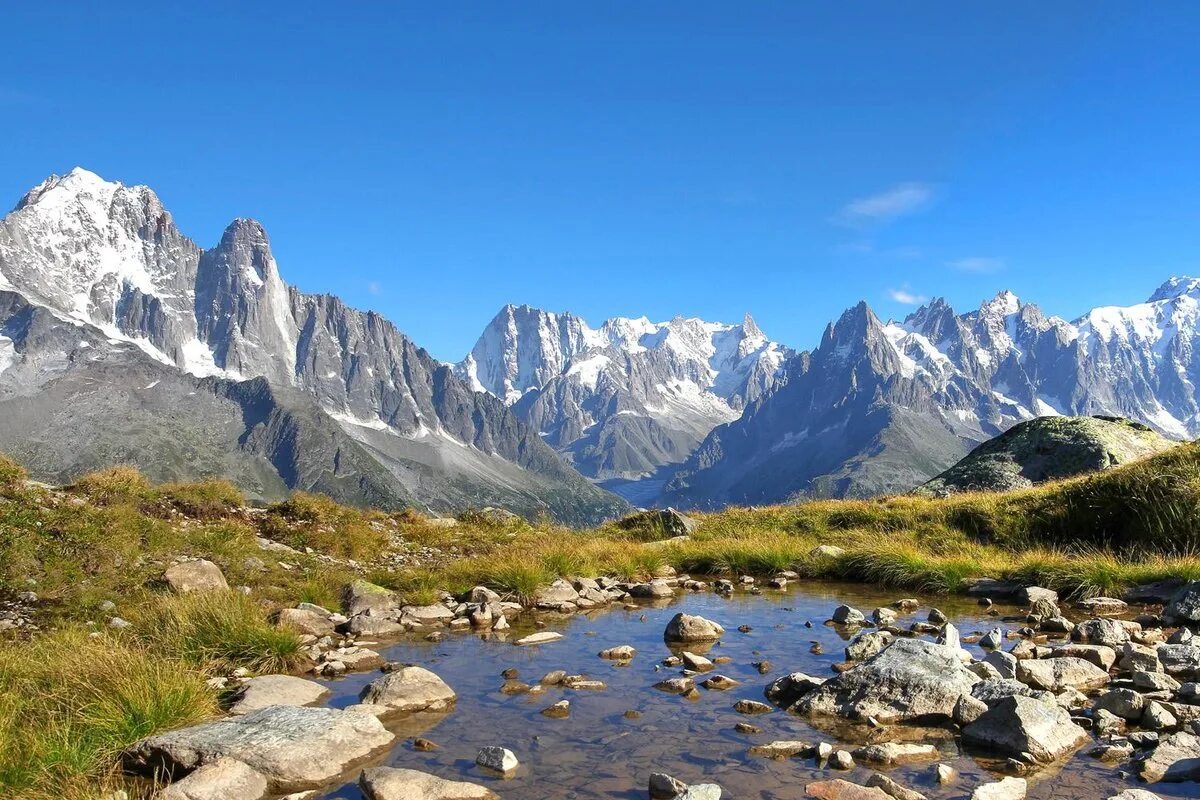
x: 316, y: 521
x: 208, y: 499
x: 12, y: 474
x: 119, y: 484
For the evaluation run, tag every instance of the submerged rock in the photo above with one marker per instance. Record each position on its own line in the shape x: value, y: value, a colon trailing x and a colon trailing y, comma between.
x: 390, y: 783
x: 1017, y: 725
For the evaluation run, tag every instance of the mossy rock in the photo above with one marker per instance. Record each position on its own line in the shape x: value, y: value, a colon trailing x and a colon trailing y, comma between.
x: 1047, y: 449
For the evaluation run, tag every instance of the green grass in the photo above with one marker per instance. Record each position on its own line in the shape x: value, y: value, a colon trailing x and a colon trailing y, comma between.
x: 69, y: 703
x: 216, y: 629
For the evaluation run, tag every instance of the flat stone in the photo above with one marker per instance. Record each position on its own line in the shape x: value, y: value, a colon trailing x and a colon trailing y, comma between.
x: 839, y: 789
x: 223, y: 779
x: 368, y: 624
x: 1103, y: 657
x: 1018, y: 725
x: 895, y: 753
x: 780, y: 749
x: 195, y: 576
x: 1103, y: 606
x: 293, y: 747
x: 409, y: 689
x: 892, y: 788
x: 1004, y: 789
x: 390, y: 783
x: 541, y: 637
x: 1056, y: 674
x: 434, y: 614
x: 277, y: 690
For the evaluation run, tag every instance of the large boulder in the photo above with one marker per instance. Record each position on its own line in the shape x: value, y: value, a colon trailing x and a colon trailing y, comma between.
x: 1017, y: 725
x: 1184, y: 606
x: 1103, y: 631
x: 199, y: 575
x: 223, y: 779
x: 659, y: 523
x: 692, y: 628
x: 293, y: 747
x: 1056, y: 674
x: 390, y: 783
x: 277, y: 690
x: 409, y: 689
x: 1177, y: 758
x: 913, y: 680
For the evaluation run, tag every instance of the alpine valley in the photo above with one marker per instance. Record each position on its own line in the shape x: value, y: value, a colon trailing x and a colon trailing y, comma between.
x: 122, y: 341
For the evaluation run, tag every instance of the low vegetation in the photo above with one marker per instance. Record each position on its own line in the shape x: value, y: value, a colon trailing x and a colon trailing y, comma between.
x: 76, y: 686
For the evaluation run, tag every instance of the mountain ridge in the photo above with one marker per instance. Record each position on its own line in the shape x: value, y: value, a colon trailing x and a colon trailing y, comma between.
x: 106, y: 257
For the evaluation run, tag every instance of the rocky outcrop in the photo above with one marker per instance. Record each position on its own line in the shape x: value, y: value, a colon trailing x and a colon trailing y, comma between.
x: 1047, y: 449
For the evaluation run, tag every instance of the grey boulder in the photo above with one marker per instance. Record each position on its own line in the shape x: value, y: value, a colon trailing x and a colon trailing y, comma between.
x: 409, y: 689
x: 1018, y: 725
x: 692, y: 628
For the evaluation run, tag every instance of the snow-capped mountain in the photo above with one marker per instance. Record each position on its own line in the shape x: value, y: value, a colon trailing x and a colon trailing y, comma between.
x: 98, y: 288
x: 627, y: 398
x: 882, y: 406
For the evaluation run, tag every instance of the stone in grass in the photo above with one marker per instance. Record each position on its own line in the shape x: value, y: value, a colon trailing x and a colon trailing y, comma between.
x: 277, y: 690
x: 223, y: 779
x: 390, y: 783
x: 293, y: 747
x: 200, y: 575
x: 497, y: 759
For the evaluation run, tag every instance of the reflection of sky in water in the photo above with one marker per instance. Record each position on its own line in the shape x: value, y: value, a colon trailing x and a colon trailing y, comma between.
x: 598, y: 753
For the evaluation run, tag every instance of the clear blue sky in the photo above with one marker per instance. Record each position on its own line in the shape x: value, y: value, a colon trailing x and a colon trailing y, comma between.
x: 435, y: 161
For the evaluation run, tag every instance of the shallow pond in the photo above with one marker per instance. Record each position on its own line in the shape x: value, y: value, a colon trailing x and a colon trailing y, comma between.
x: 600, y: 753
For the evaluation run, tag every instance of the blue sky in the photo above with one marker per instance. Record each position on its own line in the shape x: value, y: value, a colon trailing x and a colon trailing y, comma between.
x: 436, y: 161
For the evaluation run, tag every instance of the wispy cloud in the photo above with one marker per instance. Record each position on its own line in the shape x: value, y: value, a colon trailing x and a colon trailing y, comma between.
x: 374, y: 288
x: 898, y: 201
x: 907, y: 297
x: 980, y: 265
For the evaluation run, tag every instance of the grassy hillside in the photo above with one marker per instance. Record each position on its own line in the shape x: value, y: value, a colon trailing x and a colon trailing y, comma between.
x: 75, y: 688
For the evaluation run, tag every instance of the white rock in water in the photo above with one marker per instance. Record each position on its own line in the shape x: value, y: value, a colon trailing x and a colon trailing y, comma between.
x: 499, y: 759
x: 541, y: 637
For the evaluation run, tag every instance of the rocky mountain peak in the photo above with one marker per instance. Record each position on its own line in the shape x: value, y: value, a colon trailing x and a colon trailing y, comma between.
x: 1174, y: 287
x: 1004, y: 304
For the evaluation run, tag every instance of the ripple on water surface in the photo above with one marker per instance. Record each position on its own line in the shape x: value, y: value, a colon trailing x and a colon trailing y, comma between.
x: 599, y: 752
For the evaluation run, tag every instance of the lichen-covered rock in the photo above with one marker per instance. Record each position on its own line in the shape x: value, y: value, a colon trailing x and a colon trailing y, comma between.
x: 1048, y: 448
x: 360, y: 596
x: 912, y: 680
x: 293, y: 747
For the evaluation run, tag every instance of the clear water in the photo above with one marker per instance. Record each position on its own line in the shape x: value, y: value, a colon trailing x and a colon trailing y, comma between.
x: 600, y: 753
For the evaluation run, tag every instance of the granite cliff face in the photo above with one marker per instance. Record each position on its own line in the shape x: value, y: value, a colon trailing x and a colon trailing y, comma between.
x: 629, y: 399
x: 99, y: 290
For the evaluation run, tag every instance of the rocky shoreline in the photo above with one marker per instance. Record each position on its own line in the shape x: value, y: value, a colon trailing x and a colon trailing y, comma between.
x: 1124, y: 690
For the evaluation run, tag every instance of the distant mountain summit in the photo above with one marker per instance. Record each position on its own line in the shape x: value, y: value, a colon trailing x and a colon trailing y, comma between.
x: 121, y: 339
x: 630, y: 397
x: 881, y: 407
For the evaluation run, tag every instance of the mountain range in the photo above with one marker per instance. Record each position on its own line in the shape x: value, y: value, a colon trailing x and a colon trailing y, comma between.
x: 121, y: 340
